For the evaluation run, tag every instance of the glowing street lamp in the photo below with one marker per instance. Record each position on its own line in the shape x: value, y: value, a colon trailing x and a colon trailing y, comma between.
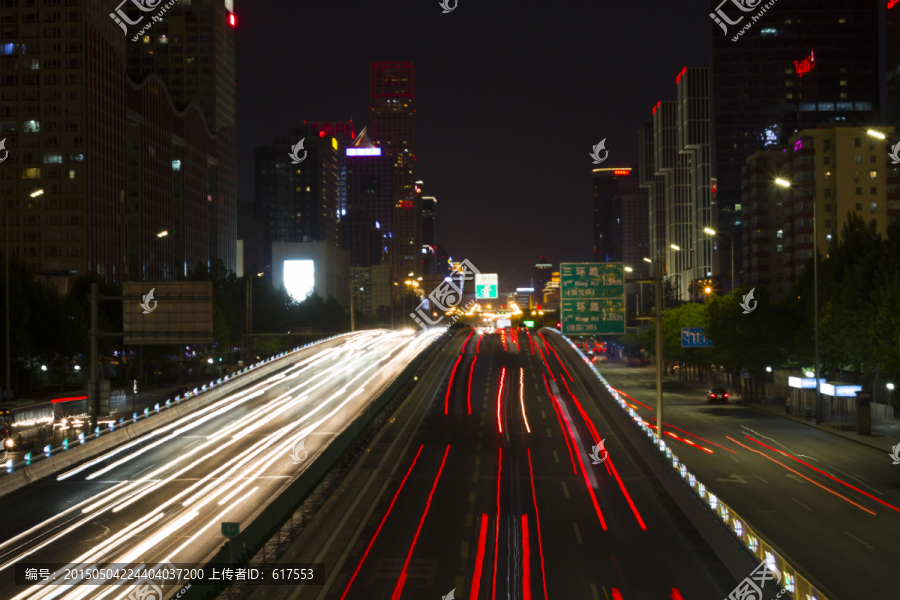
x: 782, y: 182
x: 712, y: 232
x: 876, y: 134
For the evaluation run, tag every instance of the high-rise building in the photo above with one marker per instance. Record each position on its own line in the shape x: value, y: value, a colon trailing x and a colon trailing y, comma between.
x: 635, y: 224
x: 392, y: 128
x: 790, y: 71
x: 137, y: 182
x: 298, y: 200
x: 679, y: 184
x: 608, y: 213
x: 656, y: 197
x: 892, y: 76
x: 361, y: 238
x: 543, y: 273
x: 370, y: 187
x: 833, y: 171
x: 345, y: 134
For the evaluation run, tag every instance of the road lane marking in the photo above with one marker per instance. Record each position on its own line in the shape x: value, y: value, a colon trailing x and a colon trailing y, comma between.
x: 543, y: 416
x: 859, y: 540
x: 464, y: 550
x: 471, y: 497
x: 555, y: 456
x: 801, y: 504
x: 733, y: 478
x: 468, y: 520
x: 857, y: 480
x: 760, y: 478
x: 577, y: 533
x: 565, y: 489
x: 594, y: 592
x: 548, y: 433
x: 475, y: 477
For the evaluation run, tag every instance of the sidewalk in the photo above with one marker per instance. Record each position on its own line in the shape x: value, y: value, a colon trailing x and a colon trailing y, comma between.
x: 884, y: 435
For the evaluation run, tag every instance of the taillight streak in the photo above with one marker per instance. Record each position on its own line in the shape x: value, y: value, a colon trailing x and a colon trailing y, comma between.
x: 612, y: 467
x: 479, y: 558
x: 587, y: 479
x: 450, y: 384
x: 380, y: 525
x: 499, y: 400
x: 526, y: 560
x: 670, y: 426
x: 537, y: 518
x: 469, y: 392
x: 399, y: 587
x: 559, y: 418
x: 497, y: 526
x: 522, y: 397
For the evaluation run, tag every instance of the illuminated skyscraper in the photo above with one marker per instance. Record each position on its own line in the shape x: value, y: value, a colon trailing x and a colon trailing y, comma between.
x: 392, y: 128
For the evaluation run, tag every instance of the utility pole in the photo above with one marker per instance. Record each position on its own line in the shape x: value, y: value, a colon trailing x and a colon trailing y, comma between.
x: 659, y: 350
x: 819, y: 411
x: 249, y: 340
x: 8, y: 380
x: 352, y: 312
x: 95, y: 335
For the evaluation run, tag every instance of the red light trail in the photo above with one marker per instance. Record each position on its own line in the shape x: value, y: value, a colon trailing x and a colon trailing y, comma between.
x: 587, y: 480
x: 399, y: 588
x: 479, y: 557
x: 559, y: 418
x: 499, y: 396
x: 611, y: 466
x: 380, y: 525
x: 469, y: 392
x: 526, y: 560
x: 696, y: 436
x: 478, y: 345
x: 803, y: 476
x: 855, y: 489
x: 497, y: 528
x: 633, y: 400
x: 450, y: 384
x: 537, y: 518
x: 689, y: 442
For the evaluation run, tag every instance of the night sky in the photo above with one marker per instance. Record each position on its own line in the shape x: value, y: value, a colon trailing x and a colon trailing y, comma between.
x: 510, y: 96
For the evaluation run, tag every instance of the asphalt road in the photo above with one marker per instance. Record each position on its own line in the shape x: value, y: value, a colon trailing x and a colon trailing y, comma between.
x: 504, y: 499
x: 163, y: 496
x: 836, y: 514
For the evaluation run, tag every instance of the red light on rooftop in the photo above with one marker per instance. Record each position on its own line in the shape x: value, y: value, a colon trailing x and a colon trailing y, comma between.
x: 658, y: 104
x: 678, y: 77
x: 321, y: 134
x: 231, y: 20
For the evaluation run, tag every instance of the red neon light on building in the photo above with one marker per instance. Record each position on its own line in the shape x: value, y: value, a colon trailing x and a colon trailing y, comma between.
x: 622, y: 172
x: 231, y: 20
x: 806, y: 65
x: 658, y: 104
x: 678, y: 78
x: 891, y: 3
x: 321, y: 134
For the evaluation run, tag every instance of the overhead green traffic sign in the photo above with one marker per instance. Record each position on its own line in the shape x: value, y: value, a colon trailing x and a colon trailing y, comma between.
x: 592, y: 298
x: 486, y: 285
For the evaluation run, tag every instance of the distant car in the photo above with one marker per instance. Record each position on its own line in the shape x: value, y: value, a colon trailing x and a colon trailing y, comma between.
x: 717, y: 395
x: 600, y: 358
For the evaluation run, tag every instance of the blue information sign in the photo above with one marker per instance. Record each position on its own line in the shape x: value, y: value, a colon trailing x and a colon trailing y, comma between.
x: 694, y: 337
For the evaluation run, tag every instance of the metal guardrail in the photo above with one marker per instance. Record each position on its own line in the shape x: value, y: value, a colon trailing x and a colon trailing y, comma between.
x: 792, y: 581
x: 11, y: 466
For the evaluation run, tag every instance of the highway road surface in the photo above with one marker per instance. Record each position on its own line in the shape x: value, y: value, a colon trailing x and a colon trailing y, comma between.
x: 162, y: 497
x: 484, y: 484
x: 830, y: 505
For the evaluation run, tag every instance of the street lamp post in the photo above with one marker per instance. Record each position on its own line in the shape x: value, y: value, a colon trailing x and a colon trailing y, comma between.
x: 352, y: 311
x: 678, y: 249
x: 787, y: 184
x: 731, y: 239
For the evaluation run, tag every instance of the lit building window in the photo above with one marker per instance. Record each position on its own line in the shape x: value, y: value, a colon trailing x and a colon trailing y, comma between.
x: 873, y: 174
x: 31, y: 173
x: 31, y: 126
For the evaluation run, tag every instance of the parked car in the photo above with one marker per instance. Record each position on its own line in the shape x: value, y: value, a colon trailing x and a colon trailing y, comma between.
x: 717, y: 395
